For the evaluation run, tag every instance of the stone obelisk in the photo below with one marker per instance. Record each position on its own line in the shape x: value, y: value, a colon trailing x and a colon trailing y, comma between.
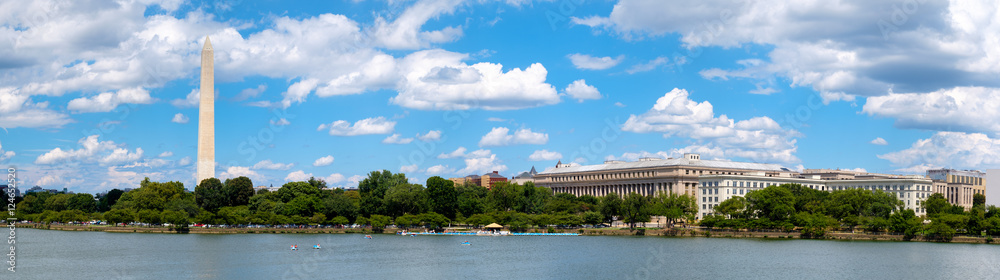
x: 206, y: 114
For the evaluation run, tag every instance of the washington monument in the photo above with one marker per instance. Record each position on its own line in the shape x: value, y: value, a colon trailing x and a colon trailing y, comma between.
x: 206, y: 114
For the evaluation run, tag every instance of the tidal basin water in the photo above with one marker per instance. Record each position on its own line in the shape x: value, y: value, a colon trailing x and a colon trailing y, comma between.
x: 49, y: 254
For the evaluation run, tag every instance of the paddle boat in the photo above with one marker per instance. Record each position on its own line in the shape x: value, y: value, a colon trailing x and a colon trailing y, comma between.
x: 295, y: 247
x: 368, y: 237
x: 466, y: 243
x: 316, y: 246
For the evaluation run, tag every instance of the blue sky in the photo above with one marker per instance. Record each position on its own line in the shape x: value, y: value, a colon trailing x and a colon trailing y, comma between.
x: 95, y: 95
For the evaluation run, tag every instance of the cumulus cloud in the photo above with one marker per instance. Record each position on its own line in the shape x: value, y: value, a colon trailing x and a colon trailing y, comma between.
x: 91, y: 150
x: 180, y: 118
x: 17, y: 110
x: 541, y: 155
x: 879, y: 141
x: 440, y: 169
x: 587, y: 62
x: 500, y: 136
x: 676, y: 115
x: 378, y: 125
x: 108, y: 101
x: 580, y: 91
x: 433, y: 135
x: 460, y: 153
x: 648, y: 66
x: 191, y: 100
x: 280, y: 122
x: 166, y: 154
x: 841, y: 50
x: 948, y: 149
x: 237, y: 171
x: 5, y: 155
x: 298, y: 175
x: 396, y: 139
x: 269, y: 165
x: 961, y: 109
x: 250, y: 93
x: 323, y: 161
x: 408, y: 168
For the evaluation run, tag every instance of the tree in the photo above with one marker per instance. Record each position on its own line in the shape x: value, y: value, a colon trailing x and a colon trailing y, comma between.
x: 83, y: 202
x: 340, y: 205
x: 149, y: 216
x: 319, y: 184
x: 209, y: 194
x: 108, y: 200
x: 434, y: 220
x: 178, y: 219
x: 303, y: 206
x: 339, y: 220
x: 117, y: 216
x: 238, y: 191
x: 374, y: 188
x: 733, y: 207
x: 635, y: 209
x: 592, y: 218
x: 57, y: 202
x: 774, y: 203
x: 936, y: 204
x: 379, y: 222
x: 979, y: 201
x: 611, y: 206
x: 443, y: 196
x: 504, y: 196
x: 673, y: 206
x: 405, y: 198
x: 407, y: 221
x: 905, y: 222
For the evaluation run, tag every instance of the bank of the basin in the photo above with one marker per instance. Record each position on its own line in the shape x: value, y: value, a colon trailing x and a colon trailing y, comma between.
x: 53, y: 254
x: 686, y: 232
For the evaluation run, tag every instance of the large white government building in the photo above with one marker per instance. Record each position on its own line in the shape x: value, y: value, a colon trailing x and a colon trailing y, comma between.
x: 713, y: 181
x: 647, y: 176
x: 714, y: 189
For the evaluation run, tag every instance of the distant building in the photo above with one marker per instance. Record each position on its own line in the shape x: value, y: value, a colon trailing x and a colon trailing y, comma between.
x: 524, y: 177
x: 17, y: 192
x: 272, y: 188
x: 714, y: 189
x: 40, y: 189
x: 472, y: 179
x: 958, y: 186
x: 647, y: 176
x: 489, y: 179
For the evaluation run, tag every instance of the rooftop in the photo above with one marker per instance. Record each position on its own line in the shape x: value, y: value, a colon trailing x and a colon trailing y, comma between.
x: 652, y: 163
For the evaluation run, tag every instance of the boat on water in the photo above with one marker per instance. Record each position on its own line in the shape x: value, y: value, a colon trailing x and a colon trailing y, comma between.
x: 368, y: 237
x: 466, y: 243
x: 295, y: 247
x: 316, y: 246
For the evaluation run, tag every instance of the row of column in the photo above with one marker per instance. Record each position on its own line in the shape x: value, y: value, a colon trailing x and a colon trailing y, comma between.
x: 620, y: 189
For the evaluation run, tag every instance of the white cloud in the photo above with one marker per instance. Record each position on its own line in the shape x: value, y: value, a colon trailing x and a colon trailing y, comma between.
x: 948, y: 149
x: 439, y: 170
x: 237, y: 171
x: 405, y: 31
x: 433, y: 135
x: 396, y: 139
x: 580, y: 91
x: 250, y: 93
x: 108, y: 101
x: 191, y: 100
x: 17, y: 110
x: 297, y: 176
x: 841, y: 50
x: 482, y: 165
x: 620, y: 105
x: 180, y: 118
x: 757, y: 138
x: 184, y: 161
x: 91, y: 150
x: 334, y: 178
x: 269, y: 165
x: 584, y: 61
x: 963, y: 109
x: 166, y: 154
x: 879, y: 141
x: 495, y: 119
x: 647, y: 66
x: 280, y: 122
x: 438, y: 80
x: 323, y: 161
x: 460, y: 153
x: 500, y: 136
x: 5, y: 155
x: 408, y: 168
x: 541, y: 155
x: 379, y: 125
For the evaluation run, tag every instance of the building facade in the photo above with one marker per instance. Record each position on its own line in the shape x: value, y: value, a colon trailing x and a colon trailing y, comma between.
x: 958, y: 186
x: 648, y: 176
x: 715, y: 189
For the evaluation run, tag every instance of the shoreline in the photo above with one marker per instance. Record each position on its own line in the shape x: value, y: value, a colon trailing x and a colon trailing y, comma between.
x: 841, y: 236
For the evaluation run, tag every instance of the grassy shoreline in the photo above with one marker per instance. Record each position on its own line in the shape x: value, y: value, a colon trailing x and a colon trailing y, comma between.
x: 586, y: 232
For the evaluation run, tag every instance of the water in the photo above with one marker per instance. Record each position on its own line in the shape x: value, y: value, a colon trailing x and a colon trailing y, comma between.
x: 49, y: 254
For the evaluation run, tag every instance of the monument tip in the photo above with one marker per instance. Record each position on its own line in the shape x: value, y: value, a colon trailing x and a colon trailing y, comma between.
x: 208, y: 43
